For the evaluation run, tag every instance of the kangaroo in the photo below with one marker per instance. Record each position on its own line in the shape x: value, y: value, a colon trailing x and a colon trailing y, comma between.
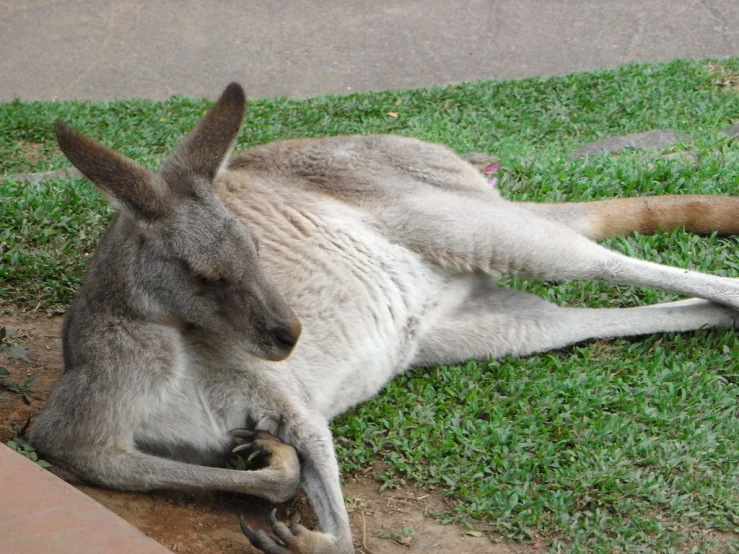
x: 241, y: 303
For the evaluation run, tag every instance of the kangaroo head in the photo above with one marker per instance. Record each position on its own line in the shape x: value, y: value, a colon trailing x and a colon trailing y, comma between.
x: 189, y: 258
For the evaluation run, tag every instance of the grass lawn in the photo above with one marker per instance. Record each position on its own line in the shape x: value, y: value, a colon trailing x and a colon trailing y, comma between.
x: 623, y: 446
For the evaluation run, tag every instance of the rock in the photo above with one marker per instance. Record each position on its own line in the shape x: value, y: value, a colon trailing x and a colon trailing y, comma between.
x: 732, y: 131
x: 682, y: 156
x: 648, y: 140
x: 43, y: 176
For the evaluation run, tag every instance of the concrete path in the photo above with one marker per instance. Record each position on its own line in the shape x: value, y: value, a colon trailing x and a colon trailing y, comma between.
x: 105, y: 49
x: 40, y: 513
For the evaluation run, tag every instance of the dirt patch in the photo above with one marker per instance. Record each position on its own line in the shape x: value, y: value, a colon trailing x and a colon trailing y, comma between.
x: 728, y: 81
x: 39, y: 336
x: 31, y: 151
x: 388, y: 522
x: 722, y: 78
x: 401, y: 520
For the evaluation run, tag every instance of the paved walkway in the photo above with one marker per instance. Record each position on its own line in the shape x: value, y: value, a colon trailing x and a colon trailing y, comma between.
x: 105, y: 49
x: 41, y: 514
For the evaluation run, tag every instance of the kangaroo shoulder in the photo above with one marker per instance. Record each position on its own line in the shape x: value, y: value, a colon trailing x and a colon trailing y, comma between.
x: 357, y: 169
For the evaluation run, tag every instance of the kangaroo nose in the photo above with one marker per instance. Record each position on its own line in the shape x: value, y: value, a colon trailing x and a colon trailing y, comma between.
x: 283, y: 337
x: 287, y: 337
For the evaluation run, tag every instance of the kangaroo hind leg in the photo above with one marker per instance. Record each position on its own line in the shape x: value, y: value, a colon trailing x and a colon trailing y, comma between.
x: 469, y: 234
x: 492, y: 322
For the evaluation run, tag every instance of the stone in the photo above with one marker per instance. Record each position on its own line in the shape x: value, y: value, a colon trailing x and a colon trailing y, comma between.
x: 689, y: 157
x: 648, y: 140
x: 732, y: 131
x: 42, y: 176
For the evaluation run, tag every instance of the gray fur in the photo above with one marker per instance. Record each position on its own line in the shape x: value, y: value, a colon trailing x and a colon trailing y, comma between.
x: 385, y: 248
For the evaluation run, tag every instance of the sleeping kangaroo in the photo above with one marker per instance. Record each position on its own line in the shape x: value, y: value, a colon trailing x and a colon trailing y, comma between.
x: 243, y: 302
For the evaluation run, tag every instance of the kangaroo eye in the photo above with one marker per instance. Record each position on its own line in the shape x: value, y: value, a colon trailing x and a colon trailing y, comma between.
x: 204, y: 276
x: 211, y: 279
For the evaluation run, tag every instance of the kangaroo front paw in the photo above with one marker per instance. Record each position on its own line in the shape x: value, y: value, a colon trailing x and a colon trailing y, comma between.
x: 294, y: 539
x: 265, y: 451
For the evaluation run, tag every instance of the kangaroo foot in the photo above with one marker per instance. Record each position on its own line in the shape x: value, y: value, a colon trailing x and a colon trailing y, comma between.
x: 294, y: 539
x: 266, y: 452
x: 258, y: 447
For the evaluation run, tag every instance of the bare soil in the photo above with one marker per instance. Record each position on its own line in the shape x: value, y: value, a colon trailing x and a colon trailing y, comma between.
x: 388, y: 522
x: 31, y: 151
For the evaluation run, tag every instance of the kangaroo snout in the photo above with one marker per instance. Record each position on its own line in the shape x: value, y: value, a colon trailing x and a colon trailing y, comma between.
x: 283, y: 337
x: 288, y: 335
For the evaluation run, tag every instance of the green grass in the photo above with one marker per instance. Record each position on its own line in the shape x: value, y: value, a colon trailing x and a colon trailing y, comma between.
x: 611, y: 446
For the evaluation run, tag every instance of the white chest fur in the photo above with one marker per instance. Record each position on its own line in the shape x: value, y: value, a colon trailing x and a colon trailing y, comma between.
x: 362, y: 303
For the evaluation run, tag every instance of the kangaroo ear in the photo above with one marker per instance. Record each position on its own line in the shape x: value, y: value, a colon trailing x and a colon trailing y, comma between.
x: 204, y: 150
x: 128, y: 185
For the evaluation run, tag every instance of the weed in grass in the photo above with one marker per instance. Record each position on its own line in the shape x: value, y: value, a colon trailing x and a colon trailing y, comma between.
x: 403, y: 537
x: 25, y: 389
x: 23, y: 447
